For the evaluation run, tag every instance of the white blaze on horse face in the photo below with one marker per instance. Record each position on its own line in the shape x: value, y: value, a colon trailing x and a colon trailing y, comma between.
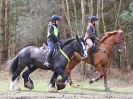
x: 84, y: 49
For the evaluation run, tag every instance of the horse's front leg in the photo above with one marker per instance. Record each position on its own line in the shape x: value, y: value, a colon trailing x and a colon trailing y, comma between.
x: 61, y: 72
x: 52, y: 87
x: 105, y: 70
x: 73, y: 62
x: 68, y: 72
x: 70, y: 80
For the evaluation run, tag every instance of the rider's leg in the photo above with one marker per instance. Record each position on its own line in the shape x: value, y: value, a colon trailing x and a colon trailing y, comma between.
x: 91, y: 46
x: 91, y: 54
x: 89, y: 43
x: 49, y: 54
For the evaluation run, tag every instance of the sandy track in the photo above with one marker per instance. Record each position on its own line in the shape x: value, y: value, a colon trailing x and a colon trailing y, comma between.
x: 62, y: 95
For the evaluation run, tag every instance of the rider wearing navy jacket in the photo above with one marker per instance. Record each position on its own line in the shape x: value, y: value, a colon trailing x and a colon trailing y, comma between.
x: 53, y: 37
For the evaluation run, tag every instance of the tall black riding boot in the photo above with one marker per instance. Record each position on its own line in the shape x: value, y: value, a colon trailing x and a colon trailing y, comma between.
x: 47, y: 61
x: 91, y: 55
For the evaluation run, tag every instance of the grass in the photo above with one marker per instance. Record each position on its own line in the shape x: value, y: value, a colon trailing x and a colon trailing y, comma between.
x: 42, y: 86
x: 4, y: 86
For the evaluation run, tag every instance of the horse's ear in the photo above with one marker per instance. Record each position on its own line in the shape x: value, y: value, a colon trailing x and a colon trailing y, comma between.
x: 77, y: 38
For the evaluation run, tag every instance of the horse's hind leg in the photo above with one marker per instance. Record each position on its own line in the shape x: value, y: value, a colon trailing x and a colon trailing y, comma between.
x: 105, y: 70
x: 14, y: 85
x: 99, y: 73
x: 15, y: 78
x: 28, y: 83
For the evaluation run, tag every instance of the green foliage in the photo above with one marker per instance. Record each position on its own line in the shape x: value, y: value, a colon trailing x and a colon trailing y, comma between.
x: 128, y: 15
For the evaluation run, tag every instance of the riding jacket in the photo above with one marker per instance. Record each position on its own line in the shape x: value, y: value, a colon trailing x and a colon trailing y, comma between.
x: 91, y: 31
x: 53, y: 33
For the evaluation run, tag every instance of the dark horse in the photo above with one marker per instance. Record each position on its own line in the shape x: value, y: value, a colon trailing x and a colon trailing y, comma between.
x: 101, y: 57
x: 34, y: 57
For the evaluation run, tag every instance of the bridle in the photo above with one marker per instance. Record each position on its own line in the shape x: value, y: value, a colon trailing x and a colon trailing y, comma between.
x: 83, y: 48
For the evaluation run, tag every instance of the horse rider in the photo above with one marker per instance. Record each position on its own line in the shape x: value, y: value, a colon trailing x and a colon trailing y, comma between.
x: 52, y: 37
x: 91, y: 36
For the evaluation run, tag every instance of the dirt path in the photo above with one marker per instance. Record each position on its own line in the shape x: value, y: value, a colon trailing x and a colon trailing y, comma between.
x: 62, y: 95
x: 121, y: 89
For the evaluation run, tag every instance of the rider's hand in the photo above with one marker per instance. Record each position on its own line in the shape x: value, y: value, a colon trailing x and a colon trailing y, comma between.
x: 97, y: 39
x: 61, y: 43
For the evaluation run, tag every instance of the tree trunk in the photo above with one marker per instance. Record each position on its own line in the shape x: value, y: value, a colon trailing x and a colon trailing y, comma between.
x: 7, y: 31
x: 68, y: 16
x: 117, y: 16
x: 104, y: 25
x: 83, y: 15
x: 2, y: 33
x: 66, y: 30
x: 98, y: 9
x: 75, y: 15
x: 90, y: 6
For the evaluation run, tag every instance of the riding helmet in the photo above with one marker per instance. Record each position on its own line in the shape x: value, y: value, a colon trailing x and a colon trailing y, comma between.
x: 94, y: 18
x: 55, y: 17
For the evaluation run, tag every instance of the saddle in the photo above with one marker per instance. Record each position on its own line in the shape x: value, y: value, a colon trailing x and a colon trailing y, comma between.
x: 46, y: 49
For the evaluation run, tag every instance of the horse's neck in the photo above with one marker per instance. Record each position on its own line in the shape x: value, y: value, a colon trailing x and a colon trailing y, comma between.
x: 68, y: 49
x: 108, y: 44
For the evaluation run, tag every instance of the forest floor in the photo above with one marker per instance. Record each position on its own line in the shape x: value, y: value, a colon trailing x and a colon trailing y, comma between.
x: 120, y: 83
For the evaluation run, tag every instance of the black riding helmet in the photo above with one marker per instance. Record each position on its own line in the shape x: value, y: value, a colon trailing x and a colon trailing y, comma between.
x: 55, y: 17
x: 94, y: 18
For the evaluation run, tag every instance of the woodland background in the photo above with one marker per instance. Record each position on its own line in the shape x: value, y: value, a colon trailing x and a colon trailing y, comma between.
x: 24, y: 23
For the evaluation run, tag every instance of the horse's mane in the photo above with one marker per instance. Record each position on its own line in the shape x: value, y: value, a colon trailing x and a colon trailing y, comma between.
x: 107, y: 34
x: 68, y: 41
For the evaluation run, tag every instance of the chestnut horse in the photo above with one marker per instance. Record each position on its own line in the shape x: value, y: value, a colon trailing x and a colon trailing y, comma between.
x: 102, y: 57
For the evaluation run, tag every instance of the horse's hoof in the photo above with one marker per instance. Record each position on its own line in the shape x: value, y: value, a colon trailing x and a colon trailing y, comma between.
x: 107, y: 89
x: 52, y: 89
x: 29, y: 85
x: 91, y: 81
x: 75, y: 86
x: 69, y: 81
x: 60, y: 85
x: 17, y: 89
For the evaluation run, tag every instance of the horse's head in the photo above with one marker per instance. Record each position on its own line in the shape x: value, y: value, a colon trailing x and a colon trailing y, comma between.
x: 80, y: 47
x: 120, y: 40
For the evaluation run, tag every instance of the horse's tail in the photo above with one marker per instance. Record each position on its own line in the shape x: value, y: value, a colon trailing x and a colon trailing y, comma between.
x: 13, y: 64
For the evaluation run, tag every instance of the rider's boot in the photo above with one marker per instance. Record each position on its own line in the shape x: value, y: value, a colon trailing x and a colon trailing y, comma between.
x: 47, y: 61
x: 92, y: 55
